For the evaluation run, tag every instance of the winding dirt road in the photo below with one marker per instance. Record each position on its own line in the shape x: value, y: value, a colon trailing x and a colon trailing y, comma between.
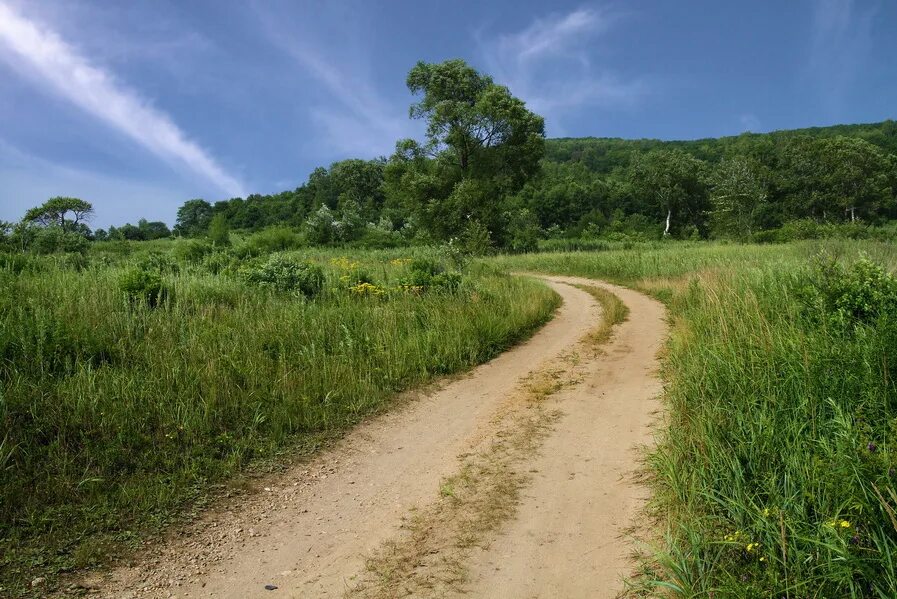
x: 513, y: 481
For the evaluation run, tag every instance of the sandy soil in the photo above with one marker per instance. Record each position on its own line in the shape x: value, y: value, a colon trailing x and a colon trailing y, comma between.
x: 513, y: 481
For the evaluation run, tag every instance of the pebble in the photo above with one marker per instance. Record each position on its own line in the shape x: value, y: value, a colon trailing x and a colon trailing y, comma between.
x: 270, y: 587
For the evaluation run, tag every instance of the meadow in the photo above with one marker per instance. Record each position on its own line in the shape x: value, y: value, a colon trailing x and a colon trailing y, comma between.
x: 142, y: 379
x: 775, y: 471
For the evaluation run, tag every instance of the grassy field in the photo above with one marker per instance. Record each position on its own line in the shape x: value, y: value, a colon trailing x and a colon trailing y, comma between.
x: 137, y: 380
x: 775, y: 474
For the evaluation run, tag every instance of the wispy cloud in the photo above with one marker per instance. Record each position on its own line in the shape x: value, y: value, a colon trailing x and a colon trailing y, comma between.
x: 29, y: 180
x: 842, y: 40
x: 42, y: 55
x: 552, y: 64
x: 355, y: 120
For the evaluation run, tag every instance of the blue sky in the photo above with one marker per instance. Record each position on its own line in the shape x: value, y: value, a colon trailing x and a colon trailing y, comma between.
x: 138, y: 106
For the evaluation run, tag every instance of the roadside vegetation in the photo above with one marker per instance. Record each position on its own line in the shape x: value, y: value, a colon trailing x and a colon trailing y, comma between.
x: 136, y: 380
x: 774, y: 475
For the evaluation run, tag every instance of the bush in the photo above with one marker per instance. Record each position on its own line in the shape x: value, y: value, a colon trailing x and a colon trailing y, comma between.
x: 424, y: 274
x: 158, y: 262
x: 274, y: 239
x: 219, y: 232
x: 861, y: 293
x: 143, y: 286
x: 217, y: 262
x: 53, y: 239
x: 193, y: 252
x: 17, y: 263
x: 285, y: 274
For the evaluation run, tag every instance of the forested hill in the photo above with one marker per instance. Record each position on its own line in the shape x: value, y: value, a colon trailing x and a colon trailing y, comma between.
x: 735, y: 187
x: 603, y: 154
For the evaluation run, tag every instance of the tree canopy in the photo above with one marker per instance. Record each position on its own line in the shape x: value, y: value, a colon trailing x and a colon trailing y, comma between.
x: 53, y: 212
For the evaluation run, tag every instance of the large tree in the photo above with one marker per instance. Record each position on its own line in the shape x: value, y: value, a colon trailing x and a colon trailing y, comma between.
x: 193, y: 218
x: 53, y: 212
x: 484, y: 142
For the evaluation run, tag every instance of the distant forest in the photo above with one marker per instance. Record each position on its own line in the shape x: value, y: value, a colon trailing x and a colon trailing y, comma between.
x: 486, y: 176
x: 725, y: 187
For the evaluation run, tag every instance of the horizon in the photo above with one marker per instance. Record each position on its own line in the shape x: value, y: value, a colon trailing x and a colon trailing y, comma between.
x: 138, y: 108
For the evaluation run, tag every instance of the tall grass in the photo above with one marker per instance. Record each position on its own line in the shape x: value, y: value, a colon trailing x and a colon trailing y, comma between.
x: 114, y: 415
x: 776, y: 474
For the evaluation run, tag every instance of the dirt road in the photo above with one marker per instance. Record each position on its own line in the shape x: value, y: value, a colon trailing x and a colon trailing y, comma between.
x: 513, y: 481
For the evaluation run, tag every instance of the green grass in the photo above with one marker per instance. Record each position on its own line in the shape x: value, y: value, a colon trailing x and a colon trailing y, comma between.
x: 115, y: 417
x: 780, y: 428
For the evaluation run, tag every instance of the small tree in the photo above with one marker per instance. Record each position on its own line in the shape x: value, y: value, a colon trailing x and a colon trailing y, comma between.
x: 53, y: 213
x: 193, y: 218
x: 219, y: 233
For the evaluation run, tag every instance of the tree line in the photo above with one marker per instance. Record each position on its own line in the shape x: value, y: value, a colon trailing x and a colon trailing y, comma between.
x: 485, y: 175
x: 731, y: 187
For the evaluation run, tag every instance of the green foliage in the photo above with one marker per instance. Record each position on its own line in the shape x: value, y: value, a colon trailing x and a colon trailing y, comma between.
x: 859, y: 294
x: 53, y: 213
x: 273, y: 239
x: 485, y: 142
x: 53, y: 239
x: 738, y: 196
x: 774, y: 475
x: 427, y: 274
x: 674, y: 184
x: 475, y: 239
x: 115, y: 418
x: 159, y: 262
x: 523, y: 231
x: 193, y: 251
x: 144, y: 231
x: 193, y: 218
x: 611, y: 189
x: 143, y: 286
x: 219, y: 232
x: 286, y: 274
x: 803, y: 229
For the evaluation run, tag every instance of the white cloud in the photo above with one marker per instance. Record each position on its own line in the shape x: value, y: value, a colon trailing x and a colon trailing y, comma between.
x: 550, y: 64
x: 552, y: 35
x: 40, y: 54
x: 29, y: 180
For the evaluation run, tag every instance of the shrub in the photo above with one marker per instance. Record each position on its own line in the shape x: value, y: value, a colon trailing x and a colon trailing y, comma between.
x: 50, y: 240
x: 861, y: 293
x: 274, y: 239
x: 285, y: 274
x: 219, y: 232
x: 17, y: 263
x: 158, y: 262
x: 193, y: 252
x: 217, y: 262
x: 143, y: 286
x: 424, y: 274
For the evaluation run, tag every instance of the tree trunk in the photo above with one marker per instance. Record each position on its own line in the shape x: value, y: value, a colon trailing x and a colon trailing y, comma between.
x: 666, y: 231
